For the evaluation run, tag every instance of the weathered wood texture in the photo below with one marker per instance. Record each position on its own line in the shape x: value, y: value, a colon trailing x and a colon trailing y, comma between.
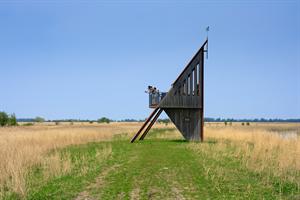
x: 145, y: 123
x: 180, y: 101
x: 184, y: 101
x: 187, y: 121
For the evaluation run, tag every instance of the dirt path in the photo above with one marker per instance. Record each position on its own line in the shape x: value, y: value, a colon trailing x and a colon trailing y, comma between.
x: 99, y: 183
x: 158, y: 169
x: 148, y: 170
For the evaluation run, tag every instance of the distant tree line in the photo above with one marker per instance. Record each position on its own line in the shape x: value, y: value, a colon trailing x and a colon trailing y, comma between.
x: 58, y: 121
x: 107, y: 120
x: 131, y: 120
x: 8, y: 120
x: 100, y: 120
x: 39, y: 119
x: 104, y: 120
x: 164, y: 121
x: 55, y: 120
x: 209, y: 119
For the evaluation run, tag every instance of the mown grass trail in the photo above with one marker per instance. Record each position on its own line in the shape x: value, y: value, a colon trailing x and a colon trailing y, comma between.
x: 154, y: 169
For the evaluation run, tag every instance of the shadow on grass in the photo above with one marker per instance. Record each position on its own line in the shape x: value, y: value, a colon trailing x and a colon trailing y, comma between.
x: 165, y: 140
x: 210, y: 141
x: 178, y: 140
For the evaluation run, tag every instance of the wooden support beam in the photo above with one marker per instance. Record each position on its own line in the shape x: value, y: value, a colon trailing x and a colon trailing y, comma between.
x: 202, y: 95
x: 191, y: 84
x: 151, y: 124
x: 195, y: 81
x: 145, y: 123
x: 202, y: 124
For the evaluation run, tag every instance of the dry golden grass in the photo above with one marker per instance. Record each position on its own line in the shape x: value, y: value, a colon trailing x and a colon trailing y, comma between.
x: 272, y: 148
x: 257, y: 145
x: 24, y: 146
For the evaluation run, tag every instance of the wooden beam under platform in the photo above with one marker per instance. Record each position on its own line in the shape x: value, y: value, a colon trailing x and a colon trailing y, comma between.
x: 145, y: 123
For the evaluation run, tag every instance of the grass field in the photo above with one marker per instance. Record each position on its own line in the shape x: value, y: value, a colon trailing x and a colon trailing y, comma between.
x: 92, y: 161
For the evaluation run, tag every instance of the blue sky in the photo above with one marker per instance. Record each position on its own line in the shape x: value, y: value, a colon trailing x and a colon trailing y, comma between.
x: 88, y: 60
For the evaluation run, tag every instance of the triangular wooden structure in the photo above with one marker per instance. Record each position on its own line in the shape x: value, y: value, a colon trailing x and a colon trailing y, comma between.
x: 184, y: 103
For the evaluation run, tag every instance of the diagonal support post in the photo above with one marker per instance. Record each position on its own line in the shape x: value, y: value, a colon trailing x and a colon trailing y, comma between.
x: 145, y: 123
x: 151, y: 124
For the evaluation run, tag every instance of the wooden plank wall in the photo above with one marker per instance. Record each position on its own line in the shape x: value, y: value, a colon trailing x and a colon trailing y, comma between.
x: 187, y: 121
x: 183, y: 103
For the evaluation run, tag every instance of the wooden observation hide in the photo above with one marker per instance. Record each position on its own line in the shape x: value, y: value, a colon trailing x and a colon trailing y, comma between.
x: 183, y: 103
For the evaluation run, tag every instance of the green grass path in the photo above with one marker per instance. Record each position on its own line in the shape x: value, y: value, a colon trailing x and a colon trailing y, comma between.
x: 155, y: 169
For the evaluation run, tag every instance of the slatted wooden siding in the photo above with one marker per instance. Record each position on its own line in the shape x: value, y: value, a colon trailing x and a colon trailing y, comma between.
x: 184, y: 101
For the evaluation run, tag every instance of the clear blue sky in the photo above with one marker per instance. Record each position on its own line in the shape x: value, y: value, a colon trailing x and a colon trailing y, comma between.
x: 88, y: 60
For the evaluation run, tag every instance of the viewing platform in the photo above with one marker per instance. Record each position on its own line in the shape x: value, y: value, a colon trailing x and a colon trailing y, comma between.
x: 155, y: 98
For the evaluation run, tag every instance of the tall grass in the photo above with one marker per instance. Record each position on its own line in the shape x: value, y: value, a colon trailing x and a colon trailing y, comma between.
x: 23, y: 147
x: 258, y: 146
x: 262, y: 148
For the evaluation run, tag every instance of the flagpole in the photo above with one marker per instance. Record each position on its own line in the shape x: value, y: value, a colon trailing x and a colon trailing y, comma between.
x: 207, y: 29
